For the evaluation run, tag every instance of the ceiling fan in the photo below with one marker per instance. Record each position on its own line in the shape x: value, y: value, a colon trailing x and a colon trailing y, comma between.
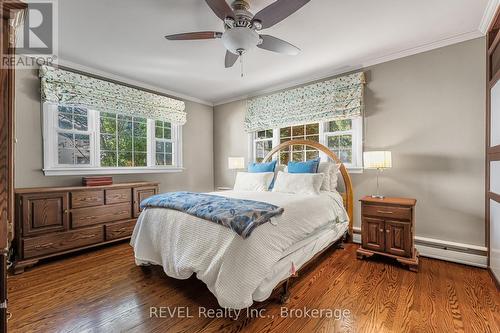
x: 241, y: 27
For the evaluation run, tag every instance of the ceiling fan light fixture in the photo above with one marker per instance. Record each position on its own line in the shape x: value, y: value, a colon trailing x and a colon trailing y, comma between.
x: 239, y: 38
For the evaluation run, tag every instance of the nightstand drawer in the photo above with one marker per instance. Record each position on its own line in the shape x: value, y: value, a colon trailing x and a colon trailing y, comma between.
x: 392, y: 212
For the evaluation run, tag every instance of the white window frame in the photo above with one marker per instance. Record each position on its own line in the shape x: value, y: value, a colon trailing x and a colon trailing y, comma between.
x: 51, y: 166
x: 357, y: 143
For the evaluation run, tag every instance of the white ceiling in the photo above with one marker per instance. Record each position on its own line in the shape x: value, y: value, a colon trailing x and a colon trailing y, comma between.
x: 126, y: 38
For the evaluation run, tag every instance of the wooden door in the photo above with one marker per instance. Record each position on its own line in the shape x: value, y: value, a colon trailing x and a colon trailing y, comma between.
x: 398, y: 238
x: 141, y: 193
x: 44, y: 212
x: 373, y: 234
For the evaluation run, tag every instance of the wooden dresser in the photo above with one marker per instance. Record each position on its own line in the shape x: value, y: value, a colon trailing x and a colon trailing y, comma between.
x: 388, y: 228
x: 54, y: 221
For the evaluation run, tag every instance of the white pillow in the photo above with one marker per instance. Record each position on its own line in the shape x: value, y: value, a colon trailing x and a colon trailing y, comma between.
x: 299, y: 183
x: 326, y: 169
x: 253, y: 181
x: 334, y: 175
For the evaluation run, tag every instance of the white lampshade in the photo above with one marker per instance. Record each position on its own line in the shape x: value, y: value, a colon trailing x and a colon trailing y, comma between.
x: 377, y: 159
x: 236, y: 163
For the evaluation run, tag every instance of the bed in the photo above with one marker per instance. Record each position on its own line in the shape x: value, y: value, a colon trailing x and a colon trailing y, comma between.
x: 237, y: 270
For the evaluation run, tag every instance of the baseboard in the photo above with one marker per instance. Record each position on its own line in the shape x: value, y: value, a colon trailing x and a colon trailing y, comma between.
x: 466, y: 254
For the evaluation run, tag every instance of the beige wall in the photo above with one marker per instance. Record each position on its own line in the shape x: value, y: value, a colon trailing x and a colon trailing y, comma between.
x: 428, y: 109
x: 197, y: 145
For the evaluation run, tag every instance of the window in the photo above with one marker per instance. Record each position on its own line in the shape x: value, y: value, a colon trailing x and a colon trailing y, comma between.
x: 263, y: 144
x: 164, y: 143
x: 343, y: 137
x: 83, y: 141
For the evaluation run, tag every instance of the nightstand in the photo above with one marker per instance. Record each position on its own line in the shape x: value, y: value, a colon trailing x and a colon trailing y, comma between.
x: 388, y: 229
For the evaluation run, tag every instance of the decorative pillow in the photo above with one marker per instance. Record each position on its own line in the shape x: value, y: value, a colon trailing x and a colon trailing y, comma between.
x: 262, y: 167
x: 310, y: 166
x: 248, y: 181
x: 299, y: 183
x: 334, y: 176
x: 326, y: 169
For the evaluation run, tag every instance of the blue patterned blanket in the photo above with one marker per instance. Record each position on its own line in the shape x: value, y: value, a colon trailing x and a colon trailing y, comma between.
x: 242, y: 216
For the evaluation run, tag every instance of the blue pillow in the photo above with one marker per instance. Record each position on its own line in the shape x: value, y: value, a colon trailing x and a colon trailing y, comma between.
x: 262, y: 167
x: 310, y: 166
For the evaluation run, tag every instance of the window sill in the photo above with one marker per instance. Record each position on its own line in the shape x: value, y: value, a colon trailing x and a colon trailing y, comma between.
x: 355, y: 169
x: 107, y: 171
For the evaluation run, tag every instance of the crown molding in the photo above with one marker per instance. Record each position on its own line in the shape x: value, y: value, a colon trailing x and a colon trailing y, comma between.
x: 367, y: 62
x: 488, y: 16
x: 141, y: 84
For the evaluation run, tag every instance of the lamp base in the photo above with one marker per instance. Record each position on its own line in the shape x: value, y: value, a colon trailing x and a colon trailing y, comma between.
x: 377, y: 196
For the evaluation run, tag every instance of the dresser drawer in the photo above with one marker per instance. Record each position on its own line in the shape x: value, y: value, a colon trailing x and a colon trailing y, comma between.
x: 87, y: 198
x: 118, y: 196
x: 58, y: 242
x: 392, y: 212
x: 89, y: 216
x: 119, y: 229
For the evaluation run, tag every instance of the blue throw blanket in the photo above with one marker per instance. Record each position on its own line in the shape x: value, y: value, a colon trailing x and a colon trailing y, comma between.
x: 242, y: 216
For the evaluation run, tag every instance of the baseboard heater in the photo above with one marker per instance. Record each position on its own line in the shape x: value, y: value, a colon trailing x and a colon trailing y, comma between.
x: 466, y: 254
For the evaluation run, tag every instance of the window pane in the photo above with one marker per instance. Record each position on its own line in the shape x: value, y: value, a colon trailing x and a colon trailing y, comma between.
x: 345, y: 141
x: 262, y: 148
x: 167, y: 133
x: 298, y: 156
x: 159, y: 123
x: 160, y: 159
x: 168, y: 147
x: 82, y: 156
x: 140, y: 159
x: 140, y: 129
x: 297, y: 148
x: 65, y: 141
x: 284, y: 158
x: 159, y: 132
x: 160, y: 146
x: 298, y: 130
x: 310, y: 155
x: 333, y: 142
x: 345, y: 155
x: 340, y: 125
x: 285, y: 132
x: 124, y: 135
x: 168, y: 159
x: 65, y: 120
x: 261, y: 134
x: 125, y: 159
x: 107, y: 114
x: 108, y: 125
x: 66, y: 156
x: 82, y: 141
x: 312, y: 129
x: 313, y: 138
x: 284, y: 140
x: 108, y: 142
x: 108, y: 158
x: 140, y: 145
x: 81, y: 123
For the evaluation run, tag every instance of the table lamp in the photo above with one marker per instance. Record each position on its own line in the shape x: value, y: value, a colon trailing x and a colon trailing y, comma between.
x: 379, y: 160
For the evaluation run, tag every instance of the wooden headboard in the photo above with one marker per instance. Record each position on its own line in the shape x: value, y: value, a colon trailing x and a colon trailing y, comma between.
x: 347, y: 195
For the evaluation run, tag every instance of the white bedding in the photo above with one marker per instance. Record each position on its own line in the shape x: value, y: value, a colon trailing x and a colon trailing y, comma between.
x: 233, y: 268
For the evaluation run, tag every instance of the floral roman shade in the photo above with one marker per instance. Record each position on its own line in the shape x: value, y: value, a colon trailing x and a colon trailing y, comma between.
x: 71, y: 89
x: 338, y: 98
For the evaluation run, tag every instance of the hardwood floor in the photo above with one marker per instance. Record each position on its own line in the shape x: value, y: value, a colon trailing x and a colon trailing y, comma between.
x: 103, y: 291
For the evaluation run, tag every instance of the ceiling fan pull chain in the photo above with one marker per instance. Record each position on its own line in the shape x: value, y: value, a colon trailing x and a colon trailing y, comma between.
x: 241, y: 64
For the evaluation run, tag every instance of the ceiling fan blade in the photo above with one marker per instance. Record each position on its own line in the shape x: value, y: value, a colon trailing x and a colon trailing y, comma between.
x: 220, y: 8
x: 278, y: 11
x: 230, y: 59
x: 195, y: 35
x: 274, y: 44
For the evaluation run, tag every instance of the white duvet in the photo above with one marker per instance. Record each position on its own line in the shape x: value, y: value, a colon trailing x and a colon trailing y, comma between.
x: 231, y: 267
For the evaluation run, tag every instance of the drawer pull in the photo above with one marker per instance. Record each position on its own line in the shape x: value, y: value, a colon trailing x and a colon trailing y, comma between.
x: 387, y: 231
x: 381, y: 230
x: 384, y: 212
x: 87, y: 236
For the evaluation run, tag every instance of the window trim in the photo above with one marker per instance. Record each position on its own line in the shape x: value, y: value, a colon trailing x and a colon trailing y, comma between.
x: 50, y: 152
x: 357, y: 143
